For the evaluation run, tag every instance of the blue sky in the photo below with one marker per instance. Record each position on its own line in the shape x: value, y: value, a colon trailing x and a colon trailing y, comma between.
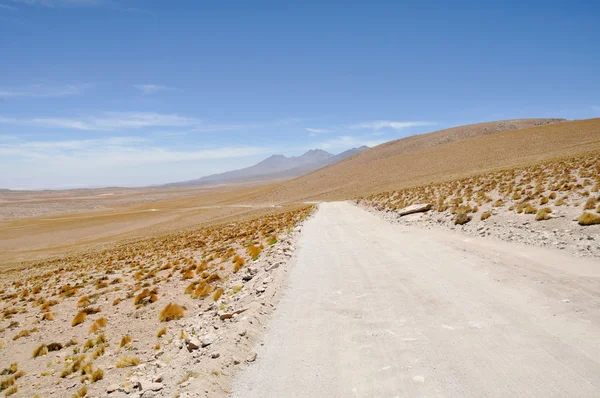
x: 130, y: 93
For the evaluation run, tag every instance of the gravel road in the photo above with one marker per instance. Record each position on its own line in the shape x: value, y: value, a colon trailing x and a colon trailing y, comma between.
x: 379, y: 310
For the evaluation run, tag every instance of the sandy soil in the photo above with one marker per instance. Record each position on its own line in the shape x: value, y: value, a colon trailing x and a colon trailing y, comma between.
x: 30, y: 238
x: 374, y: 309
x: 199, y: 350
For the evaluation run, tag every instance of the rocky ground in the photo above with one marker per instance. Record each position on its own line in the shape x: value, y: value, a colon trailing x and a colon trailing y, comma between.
x: 561, y: 232
x: 174, y: 316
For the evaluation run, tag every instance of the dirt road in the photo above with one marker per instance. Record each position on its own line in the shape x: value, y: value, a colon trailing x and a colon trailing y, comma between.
x: 378, y: 310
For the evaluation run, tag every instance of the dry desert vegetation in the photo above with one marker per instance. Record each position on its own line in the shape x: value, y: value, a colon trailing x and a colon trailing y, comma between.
x: 554, y: 203
x: 165, y: 316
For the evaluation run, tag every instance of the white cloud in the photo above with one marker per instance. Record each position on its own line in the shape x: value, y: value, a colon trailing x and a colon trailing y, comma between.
x: 43, y: 91
x: 7, y: 7
x: 382, y: 124
x: 347, y: 142
x: 148, y: 89
x: 313, y: 132
x: 126, y: 161
x: 107, y: 121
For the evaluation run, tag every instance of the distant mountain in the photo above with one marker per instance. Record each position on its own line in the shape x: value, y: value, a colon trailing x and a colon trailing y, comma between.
x: 274, y: 167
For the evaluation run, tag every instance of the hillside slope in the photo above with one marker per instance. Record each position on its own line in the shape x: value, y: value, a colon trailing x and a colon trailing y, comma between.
x: 441, y: 155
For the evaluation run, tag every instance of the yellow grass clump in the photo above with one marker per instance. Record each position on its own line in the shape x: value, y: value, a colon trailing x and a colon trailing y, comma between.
x: 40, y: 351
x: 171, y: 312
x: 79, y: 318
x: 125, y: 362
x: 588, y: 219
x: 161, y: 332
x: 98, y: 324
x: 125, y: 340
x: 218, y: 294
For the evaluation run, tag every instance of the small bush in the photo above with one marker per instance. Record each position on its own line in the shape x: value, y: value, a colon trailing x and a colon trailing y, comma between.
x: 12, y: 369
x: 588, y: 219
x: 125, y: 362
x: 81, y: 393
x: 11, y: 391
x: 40, y: 351
x: 462, y: 219
x: 161, y: 332
x: 171, y: 312
x: 98, y: 324
x: 543, y: 214
x: 97, y: 375
x: 83, y: 302
x: 590, y: 204
x: 218, y: 294
x: 79, y: 318
x: 486, y: 215
x: 125, y: 340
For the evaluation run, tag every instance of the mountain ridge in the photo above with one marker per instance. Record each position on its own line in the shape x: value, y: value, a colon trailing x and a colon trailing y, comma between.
x: 274, y: 167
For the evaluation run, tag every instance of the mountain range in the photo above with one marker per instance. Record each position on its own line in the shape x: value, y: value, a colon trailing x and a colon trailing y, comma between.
x: 275, y: 167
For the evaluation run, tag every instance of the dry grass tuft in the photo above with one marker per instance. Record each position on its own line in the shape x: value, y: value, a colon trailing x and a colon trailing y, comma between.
x: 543, y: 214
x: 81, y: 393
x: 98, y: 324
x: 125, y: 362
x: 588, y: 219
x: 125, y: 340
x: 590, y: 204
x: 161, y: 332
x: 171, y: 312
x: 462, y: 218
x: 97, y: 375
x: 218, y: 294
x: 79, y: 318
x: 11, y: 391
x: 40, y: 351
x: 486, y: 215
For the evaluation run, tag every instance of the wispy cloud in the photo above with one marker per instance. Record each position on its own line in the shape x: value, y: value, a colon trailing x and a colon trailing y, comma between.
x: 43, y: 91
x: 215, y: 127
x: 383, y: 124
x: 595, y: 108
x: 113, y: 160
x: 148, y: 89
x: 314, y: 132
x: 107, y: 121
x: 7, y: 7
x: 347, y: 142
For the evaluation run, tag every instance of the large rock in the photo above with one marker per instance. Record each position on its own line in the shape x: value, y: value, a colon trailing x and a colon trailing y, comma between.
x: 418, y: 208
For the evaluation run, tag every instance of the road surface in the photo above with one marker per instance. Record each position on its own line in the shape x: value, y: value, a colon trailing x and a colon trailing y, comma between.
x: 379, y: 310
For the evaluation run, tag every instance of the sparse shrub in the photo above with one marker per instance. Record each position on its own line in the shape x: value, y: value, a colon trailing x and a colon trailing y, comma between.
x: 462, y: 218
x: 498, y: 203
x: 22, y: 333
x: 125, y: 340
x: 486, y: 215
x: 12, y: 369
x: 238, y: 263
x: 54, y: 347
x: 529, y: 209
x: 99, y: 352
x: 590, y: 204
x: 11, y: 391
x: 588, y: 219
x: 81, y: 393
x: 117, y: 301
x: 97, y: 375
x: 48, y: 316
x: 543, y: 214
x: 98, y: 324
x: 84, y: 301
x: 161, y: 332
x: 79, y: 318
x: 218, y: 294
x: 171, y: 312
x: 40, y: 351
x: 125, y: 362
x: 6, y: 383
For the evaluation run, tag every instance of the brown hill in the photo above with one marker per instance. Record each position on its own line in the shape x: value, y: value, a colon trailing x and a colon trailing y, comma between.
x: 441, y: 155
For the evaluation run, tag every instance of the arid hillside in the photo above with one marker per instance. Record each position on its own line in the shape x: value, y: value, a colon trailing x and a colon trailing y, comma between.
x: 441, y: 156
